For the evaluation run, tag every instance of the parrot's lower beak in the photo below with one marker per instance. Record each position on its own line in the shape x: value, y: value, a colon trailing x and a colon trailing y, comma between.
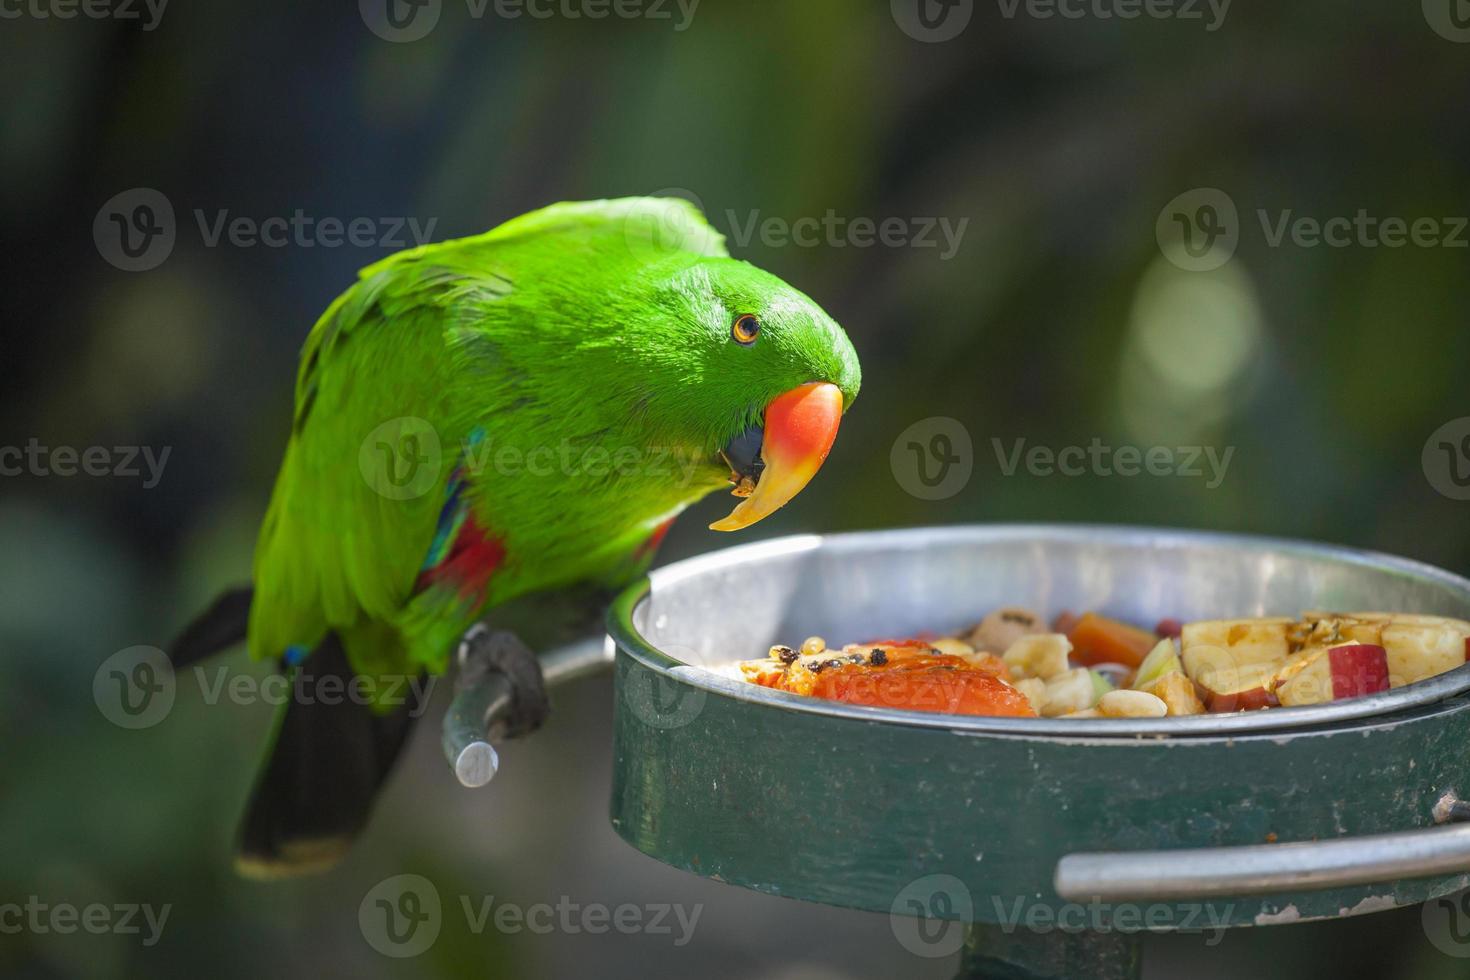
x: 772, y: 463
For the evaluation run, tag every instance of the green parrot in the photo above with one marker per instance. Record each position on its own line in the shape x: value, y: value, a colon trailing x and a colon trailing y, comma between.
x: 514, y: 417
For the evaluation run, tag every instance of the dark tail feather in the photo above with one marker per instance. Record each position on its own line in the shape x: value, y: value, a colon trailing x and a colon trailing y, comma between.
x: 219, y: 627
x: 329, y: 758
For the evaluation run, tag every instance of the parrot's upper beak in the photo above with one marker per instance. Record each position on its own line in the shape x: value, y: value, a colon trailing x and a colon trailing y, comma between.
x: 772, y: 463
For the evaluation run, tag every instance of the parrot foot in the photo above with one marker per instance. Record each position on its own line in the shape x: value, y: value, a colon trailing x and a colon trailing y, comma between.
x: 500, y: 693
x: 483, y: 651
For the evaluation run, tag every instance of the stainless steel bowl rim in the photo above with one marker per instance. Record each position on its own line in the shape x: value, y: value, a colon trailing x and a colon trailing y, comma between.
x: 1424, y: 693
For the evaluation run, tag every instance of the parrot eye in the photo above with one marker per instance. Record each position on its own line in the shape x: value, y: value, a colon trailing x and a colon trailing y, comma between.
x: 745, y: 329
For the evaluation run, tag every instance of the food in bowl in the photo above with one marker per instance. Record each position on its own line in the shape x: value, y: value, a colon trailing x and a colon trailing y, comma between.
x: 1016, y: 664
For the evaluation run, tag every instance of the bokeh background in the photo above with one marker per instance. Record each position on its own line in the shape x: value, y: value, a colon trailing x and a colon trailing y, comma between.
x: 1062, y: 317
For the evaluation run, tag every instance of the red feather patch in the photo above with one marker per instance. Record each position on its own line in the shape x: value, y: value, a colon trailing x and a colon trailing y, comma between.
x: 650, y: 544
x: 472, y: 560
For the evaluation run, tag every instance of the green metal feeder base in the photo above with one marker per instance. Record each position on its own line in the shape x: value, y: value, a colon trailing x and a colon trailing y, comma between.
x: 1060, y: 848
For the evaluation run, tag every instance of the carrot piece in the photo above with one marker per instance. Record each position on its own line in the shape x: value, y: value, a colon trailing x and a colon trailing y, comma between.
x: 1099, y: 640
x: 1065, y: 622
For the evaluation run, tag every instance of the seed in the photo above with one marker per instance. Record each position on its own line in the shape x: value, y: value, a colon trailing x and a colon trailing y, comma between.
x: 813, y: 645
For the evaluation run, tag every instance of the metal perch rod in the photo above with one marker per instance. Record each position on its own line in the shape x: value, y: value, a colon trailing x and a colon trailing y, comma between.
x: 483, y: 700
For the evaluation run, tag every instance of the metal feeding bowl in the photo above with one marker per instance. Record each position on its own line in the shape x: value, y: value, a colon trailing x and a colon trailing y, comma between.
x: 1255, y: 818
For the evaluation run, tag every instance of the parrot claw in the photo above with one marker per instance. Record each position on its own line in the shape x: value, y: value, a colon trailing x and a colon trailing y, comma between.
x: 500, y: 693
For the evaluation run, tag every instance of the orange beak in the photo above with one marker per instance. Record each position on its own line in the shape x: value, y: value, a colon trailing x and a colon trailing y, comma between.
x: 799, y: 429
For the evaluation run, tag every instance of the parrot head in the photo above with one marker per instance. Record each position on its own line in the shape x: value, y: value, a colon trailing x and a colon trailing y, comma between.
x: 749, y: 373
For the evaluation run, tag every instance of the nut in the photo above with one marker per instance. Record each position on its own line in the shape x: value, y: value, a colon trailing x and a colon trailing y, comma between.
x: 998, y: 631
x: 1131, y: 704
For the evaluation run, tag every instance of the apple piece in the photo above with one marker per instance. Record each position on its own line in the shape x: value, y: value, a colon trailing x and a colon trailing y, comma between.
x: 1420, y: 650
x: 1035, y: 690
x: 1178, y: 694
x: 1162, y: 659
x: 1368, y: 634
x: 1334, y: 674
x: 1412, y: 619
x: 1336, y: 631
x: 1227, y: 682
x: 1038, y: 655
x: 953, y: 647
x: 1073, y: 690
x: 1250, y: 641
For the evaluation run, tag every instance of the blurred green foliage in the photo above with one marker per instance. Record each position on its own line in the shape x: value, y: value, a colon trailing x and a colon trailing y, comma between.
x: 1059, y: 321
